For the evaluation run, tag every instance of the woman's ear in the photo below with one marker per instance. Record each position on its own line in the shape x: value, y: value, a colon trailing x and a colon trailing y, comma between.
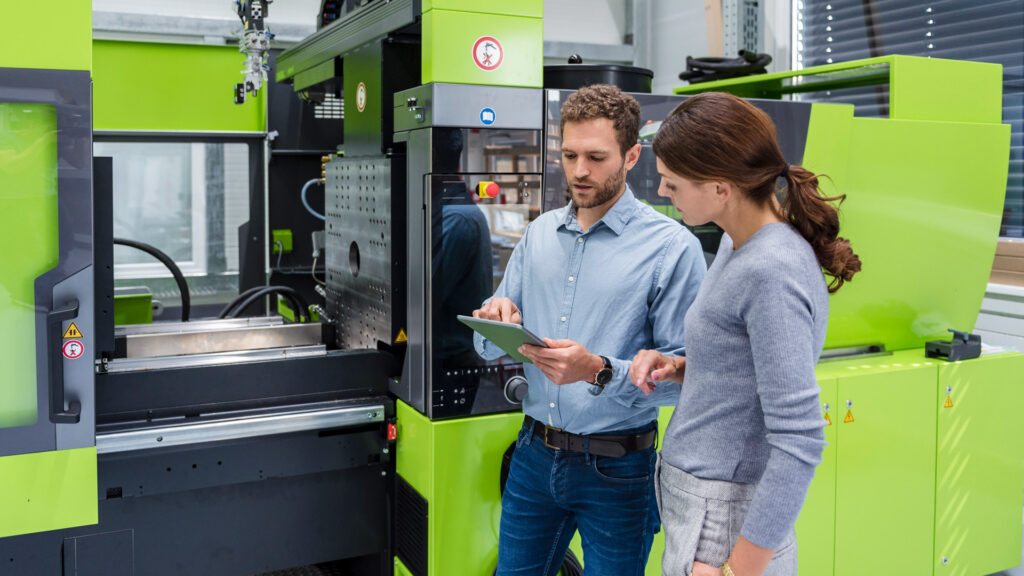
x: 723, y: 191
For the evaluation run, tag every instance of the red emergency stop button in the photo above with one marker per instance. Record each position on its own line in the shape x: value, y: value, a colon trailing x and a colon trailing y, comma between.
x: 488, y: 189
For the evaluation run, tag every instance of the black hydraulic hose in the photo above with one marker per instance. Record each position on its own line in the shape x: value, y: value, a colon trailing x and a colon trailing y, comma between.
x: 295, y: 299
x: 715, y: 68
x: 235, y: 306
x: 186, y: 298
x: 237, y: 300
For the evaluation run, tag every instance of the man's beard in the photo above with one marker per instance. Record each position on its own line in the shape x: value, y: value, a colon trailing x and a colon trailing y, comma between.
x: 602, y: 192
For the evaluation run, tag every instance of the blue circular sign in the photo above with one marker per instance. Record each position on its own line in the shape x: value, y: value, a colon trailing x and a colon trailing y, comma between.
x: 487, y: 116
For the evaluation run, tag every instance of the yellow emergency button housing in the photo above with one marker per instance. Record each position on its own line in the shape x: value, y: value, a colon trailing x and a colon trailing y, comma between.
x: 488, y: 189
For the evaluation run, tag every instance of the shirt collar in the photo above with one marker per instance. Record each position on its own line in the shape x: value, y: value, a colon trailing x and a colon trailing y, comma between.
x: 615, y: 218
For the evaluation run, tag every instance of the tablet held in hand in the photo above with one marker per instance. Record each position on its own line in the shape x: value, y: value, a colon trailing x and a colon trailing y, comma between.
x: 507, y: 336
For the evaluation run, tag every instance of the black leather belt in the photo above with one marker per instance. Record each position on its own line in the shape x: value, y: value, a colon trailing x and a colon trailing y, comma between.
x: 600, y: 444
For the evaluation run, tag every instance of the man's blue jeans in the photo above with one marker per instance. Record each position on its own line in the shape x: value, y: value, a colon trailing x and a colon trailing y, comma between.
x: 550, y: 493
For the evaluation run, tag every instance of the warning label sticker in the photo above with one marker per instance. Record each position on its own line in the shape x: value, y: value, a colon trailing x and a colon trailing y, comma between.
x: 401, y: 337
x: 73, y: 349
x: 361, y: 97
x: 72, y: 332
x: 488, y: 53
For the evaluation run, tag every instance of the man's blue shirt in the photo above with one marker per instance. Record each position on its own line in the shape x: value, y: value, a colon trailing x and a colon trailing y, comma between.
x: 622, y: 286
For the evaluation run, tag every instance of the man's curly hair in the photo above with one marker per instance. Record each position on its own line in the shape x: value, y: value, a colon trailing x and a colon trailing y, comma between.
x: 605, y: 101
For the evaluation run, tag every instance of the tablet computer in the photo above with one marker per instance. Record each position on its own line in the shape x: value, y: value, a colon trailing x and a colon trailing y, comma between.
x: 505, y: 335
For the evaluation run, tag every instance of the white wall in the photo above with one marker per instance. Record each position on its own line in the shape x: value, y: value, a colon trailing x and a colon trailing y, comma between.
x: 281, y: 12
x: 585, y: 21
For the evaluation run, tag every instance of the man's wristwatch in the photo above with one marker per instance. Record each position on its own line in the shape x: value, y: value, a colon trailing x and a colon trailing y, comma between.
x: 604, y: 375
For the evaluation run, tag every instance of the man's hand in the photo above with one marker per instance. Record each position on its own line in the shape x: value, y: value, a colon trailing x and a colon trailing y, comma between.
x: 500, y: 309
x: 650, y: 367
x: 702, y: 569
x: 563, y: 361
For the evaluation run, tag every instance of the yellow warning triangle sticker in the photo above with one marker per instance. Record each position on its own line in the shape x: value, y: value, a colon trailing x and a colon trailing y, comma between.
x: 72, y: 332
x: 828, y: 419
x: 849, y: 416
x: 401, y: 337
x: 949, y: 403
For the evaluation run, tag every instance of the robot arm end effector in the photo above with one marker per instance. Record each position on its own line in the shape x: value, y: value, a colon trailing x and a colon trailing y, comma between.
x: 254, y: 42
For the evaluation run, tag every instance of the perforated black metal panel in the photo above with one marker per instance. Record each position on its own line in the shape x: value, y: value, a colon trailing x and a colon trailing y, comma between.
x: 359, y: 283
x: 411, y: 511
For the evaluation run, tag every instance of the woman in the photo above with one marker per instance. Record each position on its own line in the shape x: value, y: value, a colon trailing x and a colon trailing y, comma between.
x: 747, y: 434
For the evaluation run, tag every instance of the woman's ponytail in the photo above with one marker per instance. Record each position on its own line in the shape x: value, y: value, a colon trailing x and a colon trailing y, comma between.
x: 817, y: 220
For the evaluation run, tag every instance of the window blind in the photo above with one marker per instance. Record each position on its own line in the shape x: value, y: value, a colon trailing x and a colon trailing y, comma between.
x: 842, y: 30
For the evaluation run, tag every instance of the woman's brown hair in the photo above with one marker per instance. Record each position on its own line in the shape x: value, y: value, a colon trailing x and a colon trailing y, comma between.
x: 717, y: 136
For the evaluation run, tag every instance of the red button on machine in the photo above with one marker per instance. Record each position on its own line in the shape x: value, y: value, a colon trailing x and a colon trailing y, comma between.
x: 488, y: 189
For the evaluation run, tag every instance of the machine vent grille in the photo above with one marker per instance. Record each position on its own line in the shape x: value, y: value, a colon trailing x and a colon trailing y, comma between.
x: 411, y: 528
x: 332, y: 108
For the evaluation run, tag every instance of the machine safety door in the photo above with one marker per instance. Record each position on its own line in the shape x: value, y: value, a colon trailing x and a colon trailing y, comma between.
x: 47, y: 422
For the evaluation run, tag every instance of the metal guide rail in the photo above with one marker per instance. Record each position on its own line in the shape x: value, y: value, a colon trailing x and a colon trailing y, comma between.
x: 237, y: 428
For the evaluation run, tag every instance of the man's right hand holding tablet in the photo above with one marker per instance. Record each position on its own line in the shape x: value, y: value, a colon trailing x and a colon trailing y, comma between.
x: 500, y: 309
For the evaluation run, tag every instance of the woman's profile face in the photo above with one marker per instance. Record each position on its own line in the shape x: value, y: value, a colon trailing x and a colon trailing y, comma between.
x: 695, y: 201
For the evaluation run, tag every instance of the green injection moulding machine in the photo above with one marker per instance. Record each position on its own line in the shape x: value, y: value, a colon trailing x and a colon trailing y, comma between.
x: 923, y: 470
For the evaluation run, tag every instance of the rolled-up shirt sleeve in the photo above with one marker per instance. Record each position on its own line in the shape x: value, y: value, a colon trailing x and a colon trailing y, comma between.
x: 681, y: 268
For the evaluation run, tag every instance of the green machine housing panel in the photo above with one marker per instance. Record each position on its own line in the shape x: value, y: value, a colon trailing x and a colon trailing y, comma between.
x: 917, y: 180
x: 815, y: 528
x: 529, y: 8
x: 979, y: 470
x: 455, y: 465
x: 885, y: 471
x: 449, y: 39
x: 47, y: 36
x: 48, y: 491
x: 925, y: 189
x: 171, y: 87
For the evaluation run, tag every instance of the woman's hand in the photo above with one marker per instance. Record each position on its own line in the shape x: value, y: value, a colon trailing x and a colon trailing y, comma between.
x: 649, y: 367
x: 702, y: 569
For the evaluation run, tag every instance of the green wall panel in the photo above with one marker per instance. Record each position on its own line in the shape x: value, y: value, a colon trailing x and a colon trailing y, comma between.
x: 885, y: 471
x: 47, y: 491
x: 815, y: 528
x: 47, y: 35
x: 529, y: 8
x: 449, y: 37
x: 980, y: 469
x: 28, y: 216
x: 179, y: 87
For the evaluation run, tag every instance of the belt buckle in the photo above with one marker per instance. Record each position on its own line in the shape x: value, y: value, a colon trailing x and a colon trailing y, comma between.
x: 547, y: 442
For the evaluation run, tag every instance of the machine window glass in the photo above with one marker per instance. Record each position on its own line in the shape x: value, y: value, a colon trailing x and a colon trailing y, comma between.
x: 28, y: 215
x: 484, y: 193
x: 187, y: 199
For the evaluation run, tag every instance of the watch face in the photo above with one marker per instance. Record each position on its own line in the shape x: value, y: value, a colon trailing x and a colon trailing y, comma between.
x: 603, y: 377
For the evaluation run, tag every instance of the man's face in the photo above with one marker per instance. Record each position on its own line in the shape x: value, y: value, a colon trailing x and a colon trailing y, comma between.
x: 595, y: 168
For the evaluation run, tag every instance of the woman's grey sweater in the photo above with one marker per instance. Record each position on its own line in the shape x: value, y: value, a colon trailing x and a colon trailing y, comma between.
x: 749, y: 409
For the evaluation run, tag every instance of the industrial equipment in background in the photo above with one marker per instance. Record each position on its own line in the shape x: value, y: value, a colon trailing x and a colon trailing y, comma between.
x: 254, y: 42
x: 242, y: 446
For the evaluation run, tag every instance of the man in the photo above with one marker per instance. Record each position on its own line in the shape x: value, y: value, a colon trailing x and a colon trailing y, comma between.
x: 600, y: 279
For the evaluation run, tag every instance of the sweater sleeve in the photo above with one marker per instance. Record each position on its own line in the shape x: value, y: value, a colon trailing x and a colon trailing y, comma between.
x: 779, y: 315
